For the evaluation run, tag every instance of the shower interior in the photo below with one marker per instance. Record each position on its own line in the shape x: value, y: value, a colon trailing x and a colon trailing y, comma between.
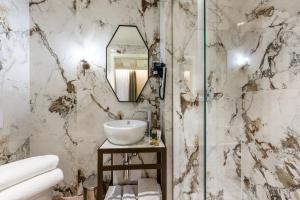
x: 252, y: 99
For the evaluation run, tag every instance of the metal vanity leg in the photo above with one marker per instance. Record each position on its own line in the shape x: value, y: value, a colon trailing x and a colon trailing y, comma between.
x: 164, y: 175
x: 158, y: 160
x: 112, y: 172
x: 100, y: 176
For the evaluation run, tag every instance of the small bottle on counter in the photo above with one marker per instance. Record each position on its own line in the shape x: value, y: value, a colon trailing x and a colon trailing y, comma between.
x: 155, y: 137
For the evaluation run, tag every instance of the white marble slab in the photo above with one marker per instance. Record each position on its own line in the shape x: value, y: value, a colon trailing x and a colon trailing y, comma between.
x: 69, y: 122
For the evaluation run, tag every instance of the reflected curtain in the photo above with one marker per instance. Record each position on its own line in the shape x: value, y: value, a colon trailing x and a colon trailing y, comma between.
x: 122, y: 84
x: 132, y: 85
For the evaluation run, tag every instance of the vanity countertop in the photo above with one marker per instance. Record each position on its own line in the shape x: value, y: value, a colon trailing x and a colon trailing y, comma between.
x: 142, y: 144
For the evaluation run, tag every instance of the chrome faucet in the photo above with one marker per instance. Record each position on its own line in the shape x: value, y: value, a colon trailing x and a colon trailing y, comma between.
x: 148, y: 111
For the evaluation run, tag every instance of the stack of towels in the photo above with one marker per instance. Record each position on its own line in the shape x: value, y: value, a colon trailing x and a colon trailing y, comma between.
x: 147, y: 189
x: 28, y: 178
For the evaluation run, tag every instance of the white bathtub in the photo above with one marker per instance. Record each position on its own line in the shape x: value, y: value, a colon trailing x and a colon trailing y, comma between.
x: 30, y: 179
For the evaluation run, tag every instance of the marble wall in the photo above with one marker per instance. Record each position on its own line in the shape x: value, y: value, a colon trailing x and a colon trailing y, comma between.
x: 188, y: 99
x: 14, y: 80
x: 253, y: 65
x: 166, y: 105
x: 253, y: 99
x: 70, y: 100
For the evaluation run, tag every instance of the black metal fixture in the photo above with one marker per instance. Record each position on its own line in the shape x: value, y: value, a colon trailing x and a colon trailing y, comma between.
x: 160, y: 71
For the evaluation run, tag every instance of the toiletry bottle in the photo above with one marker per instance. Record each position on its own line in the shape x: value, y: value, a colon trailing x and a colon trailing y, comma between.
x: 154, y: 137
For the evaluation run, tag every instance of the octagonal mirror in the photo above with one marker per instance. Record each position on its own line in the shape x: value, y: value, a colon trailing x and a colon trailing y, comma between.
x: 127, y: 63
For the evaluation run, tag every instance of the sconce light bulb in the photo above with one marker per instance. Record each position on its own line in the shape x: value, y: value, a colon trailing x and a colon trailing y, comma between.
x: 242, y: 60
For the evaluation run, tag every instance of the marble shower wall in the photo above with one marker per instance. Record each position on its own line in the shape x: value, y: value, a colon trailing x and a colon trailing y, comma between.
x: 71, y: 99
x: 14, y: 80
x: 166, y: 106
x: 254, y: 99
x: 188, y: 99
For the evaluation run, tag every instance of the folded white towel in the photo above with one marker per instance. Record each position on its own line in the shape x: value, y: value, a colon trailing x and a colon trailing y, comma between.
x: 114, y: 193
x: 149, y: 189
x: 128, y: 193
x: 16, y: 172
x: 29, y: 189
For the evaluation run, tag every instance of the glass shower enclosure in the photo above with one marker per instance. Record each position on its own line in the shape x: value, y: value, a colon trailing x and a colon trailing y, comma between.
x: 252, y: 104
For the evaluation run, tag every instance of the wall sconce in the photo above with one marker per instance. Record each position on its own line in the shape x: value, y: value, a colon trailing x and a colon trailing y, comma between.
x: 85, y: 64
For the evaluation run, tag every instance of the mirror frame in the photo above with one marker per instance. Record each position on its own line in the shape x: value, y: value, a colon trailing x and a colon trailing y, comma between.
x: 133, y: 26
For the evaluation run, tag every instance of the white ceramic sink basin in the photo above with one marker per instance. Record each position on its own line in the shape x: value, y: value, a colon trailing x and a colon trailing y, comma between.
x: 125, y: 132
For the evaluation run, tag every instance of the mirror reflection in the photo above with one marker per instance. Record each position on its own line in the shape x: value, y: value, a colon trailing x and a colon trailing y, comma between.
x: 127, y: 63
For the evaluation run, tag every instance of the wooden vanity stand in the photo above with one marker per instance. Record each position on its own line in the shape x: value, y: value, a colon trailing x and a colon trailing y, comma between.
x: 141, y: 147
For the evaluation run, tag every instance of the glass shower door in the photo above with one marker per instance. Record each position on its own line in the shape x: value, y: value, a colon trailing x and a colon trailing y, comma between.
x: 253, y: 99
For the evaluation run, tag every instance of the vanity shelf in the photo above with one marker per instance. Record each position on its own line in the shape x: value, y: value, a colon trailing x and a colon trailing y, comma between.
x: 141, y: 147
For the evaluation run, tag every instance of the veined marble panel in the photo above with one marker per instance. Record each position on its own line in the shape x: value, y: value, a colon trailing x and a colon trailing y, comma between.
x: 71, y: 99
x: 187, y: 100
x: 166, y: 50
x: 253, y: 90
x: 14, y: 80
